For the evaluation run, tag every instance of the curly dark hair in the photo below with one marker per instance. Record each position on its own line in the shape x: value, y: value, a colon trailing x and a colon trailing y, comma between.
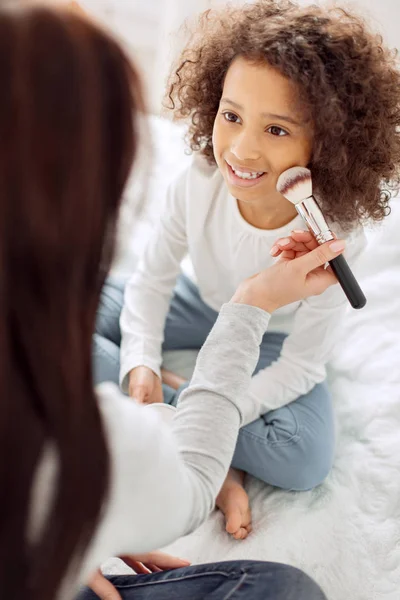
x: 347, y: 80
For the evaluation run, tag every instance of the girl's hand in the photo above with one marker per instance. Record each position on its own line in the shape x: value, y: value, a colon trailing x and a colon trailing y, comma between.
x: 295, y: 245
x: 145, y: 386
x: 297, y: 274
x: 153, y: 562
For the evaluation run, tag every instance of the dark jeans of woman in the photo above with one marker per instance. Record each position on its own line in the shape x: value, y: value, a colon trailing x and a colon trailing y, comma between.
x: 235, y: 580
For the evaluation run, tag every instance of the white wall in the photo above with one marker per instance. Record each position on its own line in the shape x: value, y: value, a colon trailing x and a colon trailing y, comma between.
x: 149, y: 29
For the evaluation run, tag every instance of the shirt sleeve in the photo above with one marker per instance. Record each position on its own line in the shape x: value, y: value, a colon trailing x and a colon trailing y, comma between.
x: 148, y: 292
x: 164, y: 480
x: 308, y: 348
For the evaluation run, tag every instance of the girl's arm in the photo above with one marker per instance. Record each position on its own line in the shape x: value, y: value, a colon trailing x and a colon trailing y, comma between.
x: 308, y: 348
x: 148, y: 292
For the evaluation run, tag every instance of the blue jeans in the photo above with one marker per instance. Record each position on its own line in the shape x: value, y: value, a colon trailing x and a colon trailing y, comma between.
x: 291, y: 448
x: 234, y: 580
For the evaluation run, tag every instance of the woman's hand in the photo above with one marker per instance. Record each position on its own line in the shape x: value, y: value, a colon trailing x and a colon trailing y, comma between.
x: 297, y: 274
x: 153, y: 562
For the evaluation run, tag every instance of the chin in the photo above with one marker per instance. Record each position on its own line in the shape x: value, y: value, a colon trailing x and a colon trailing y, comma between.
x: 247, y: 194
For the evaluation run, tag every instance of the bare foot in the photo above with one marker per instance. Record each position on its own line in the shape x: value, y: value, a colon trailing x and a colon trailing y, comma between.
x: 233, y: 501
x: 174, y: 381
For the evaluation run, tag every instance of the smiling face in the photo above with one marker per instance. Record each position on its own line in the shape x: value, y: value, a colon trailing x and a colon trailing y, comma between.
x: 259, y: 132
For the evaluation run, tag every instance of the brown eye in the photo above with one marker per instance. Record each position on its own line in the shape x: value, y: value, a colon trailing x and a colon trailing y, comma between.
x: 277, y: 131
x: 231, y: 117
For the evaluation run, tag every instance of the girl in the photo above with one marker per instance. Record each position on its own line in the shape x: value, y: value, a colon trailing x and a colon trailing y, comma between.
x: 264, y: 87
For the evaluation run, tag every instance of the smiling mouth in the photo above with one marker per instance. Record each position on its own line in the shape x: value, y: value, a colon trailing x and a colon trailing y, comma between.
x: 244, y: 177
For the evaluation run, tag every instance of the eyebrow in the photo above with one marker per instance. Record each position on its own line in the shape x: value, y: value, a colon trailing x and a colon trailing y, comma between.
x: 267, y: 115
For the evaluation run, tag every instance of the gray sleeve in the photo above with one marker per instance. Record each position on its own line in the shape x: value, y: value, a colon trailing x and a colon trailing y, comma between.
x: 216, y: 403
x: 164, y: 482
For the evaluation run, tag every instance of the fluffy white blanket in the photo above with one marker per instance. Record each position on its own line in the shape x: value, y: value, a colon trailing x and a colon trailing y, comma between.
x: 345, y: 533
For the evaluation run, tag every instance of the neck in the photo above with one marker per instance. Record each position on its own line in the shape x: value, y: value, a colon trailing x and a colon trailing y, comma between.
x: 273, y: 216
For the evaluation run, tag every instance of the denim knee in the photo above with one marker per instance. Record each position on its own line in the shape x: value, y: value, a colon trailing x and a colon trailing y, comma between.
x: 314, y: 462
x: 298, y: 465
x: 315, y: 447
x: 291, y: 448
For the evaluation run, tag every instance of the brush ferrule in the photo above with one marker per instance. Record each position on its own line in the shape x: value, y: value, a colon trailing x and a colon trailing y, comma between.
x: 309, y: 210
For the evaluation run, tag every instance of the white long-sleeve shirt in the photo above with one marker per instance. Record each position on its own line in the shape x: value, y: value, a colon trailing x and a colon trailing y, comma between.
x: 201, y: 218
x: 164, y: 480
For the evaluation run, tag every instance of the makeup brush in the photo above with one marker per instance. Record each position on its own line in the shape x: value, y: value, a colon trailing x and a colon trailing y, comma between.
x: 295, y: 185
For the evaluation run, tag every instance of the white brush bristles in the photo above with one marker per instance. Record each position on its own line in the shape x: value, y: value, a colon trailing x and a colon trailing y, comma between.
x: 295, y: 184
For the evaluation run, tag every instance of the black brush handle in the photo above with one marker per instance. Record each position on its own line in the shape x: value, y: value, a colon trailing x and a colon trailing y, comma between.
x: 349, y: 283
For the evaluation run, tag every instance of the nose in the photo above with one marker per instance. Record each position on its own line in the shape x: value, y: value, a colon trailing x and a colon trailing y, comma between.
x: 246, y: 146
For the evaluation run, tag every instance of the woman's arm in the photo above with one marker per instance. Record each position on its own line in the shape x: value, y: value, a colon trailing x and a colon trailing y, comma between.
x: 164, y: 482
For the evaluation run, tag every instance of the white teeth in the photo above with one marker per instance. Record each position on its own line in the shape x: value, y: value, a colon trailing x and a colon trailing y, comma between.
x: 244, y: 175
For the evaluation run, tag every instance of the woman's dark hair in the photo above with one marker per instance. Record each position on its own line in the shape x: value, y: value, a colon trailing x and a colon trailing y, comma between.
x: 68, y: 122
x: 348, y: 84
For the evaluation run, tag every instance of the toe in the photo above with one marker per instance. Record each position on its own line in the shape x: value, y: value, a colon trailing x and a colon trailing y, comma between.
x: 241, y: 534
x: 233, y: 521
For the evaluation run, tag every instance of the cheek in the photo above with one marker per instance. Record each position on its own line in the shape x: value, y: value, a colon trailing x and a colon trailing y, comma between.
x: 290, y: 155
x: 281, y: 158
